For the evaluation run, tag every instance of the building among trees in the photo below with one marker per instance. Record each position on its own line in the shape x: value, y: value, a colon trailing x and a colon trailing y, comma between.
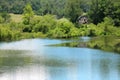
x: 82, y: 20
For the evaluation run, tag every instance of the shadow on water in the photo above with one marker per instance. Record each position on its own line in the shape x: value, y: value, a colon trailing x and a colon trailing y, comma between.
x: 11, y: 59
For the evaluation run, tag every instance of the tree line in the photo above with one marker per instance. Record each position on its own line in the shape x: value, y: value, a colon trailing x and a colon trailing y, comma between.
x: 97, y: 10
x: 57, y: 18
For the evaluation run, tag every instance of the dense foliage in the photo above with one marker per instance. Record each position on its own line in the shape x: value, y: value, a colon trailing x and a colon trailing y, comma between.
x: 57, y: 18
x: 105, y: 8
x: 97, y: 9
x: 73, y: 9
x: 28, y: 14
x: 41, y: 7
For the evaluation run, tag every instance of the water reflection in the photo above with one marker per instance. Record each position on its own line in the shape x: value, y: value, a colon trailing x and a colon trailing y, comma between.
x: 106, y: 43
x: 108, y: 69
x: 35, y: 61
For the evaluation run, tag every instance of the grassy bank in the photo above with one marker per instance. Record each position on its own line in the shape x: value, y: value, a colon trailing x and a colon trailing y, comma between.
x: 16, y: 18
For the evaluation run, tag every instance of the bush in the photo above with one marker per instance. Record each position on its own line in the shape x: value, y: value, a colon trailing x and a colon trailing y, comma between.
x: 5, y: 17
x: 5, y: 34
x: 44, y: 23
x: 64, y: 29
x: 1, y: 20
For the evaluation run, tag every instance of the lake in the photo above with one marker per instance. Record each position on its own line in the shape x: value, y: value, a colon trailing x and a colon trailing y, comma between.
x: 34, y: 59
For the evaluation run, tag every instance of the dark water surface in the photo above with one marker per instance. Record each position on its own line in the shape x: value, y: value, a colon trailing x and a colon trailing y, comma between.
x: 31, y: 59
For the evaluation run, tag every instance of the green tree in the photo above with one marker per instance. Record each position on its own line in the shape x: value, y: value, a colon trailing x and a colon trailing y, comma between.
x: 27, y: 14
x: 64, y: 29
x: 116, y: 14
x: 73, y: 10
x: 100, y: 9
x: 1, y: 20
x: 44, y: 23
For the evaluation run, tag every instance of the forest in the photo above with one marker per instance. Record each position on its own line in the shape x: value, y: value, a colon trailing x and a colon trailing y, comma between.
x: 21, y: 19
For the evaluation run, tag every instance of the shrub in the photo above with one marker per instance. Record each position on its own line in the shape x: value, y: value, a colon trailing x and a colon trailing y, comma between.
x: 44, y: 24
x: 64, y: 29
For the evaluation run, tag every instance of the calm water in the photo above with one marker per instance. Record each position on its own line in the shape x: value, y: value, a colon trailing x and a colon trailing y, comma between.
x: 32, y: 59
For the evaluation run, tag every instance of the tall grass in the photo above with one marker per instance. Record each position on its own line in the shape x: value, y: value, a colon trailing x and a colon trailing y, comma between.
x: 16, y: 17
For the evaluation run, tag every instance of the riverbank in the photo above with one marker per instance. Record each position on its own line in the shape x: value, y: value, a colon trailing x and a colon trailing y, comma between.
x: 49, y: 26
